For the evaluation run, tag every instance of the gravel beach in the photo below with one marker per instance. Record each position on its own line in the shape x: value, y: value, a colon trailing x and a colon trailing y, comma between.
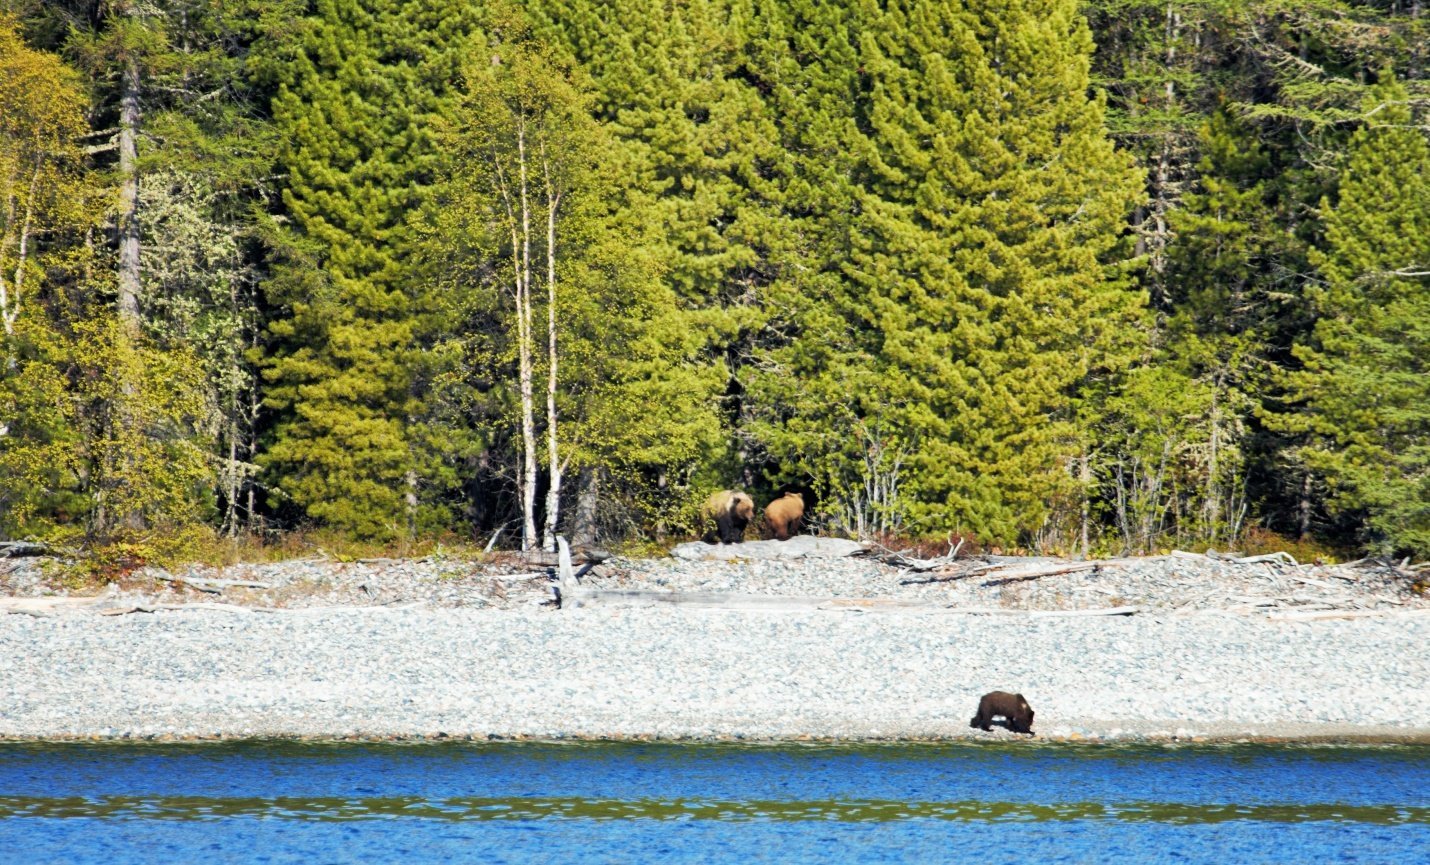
x: 431, y: 649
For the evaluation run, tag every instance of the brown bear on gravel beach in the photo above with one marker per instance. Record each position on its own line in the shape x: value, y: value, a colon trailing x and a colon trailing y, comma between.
x: 1011, y: 706
x: 784, y: 515
x: 731, y: 511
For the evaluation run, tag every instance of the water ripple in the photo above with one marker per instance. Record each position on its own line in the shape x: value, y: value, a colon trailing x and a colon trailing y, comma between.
x: 557, y: 807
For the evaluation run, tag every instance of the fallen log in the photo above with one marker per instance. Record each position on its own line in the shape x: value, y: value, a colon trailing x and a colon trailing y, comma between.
x: 953, y: 575
x: 1344, y: 614
x: 570, y: 598
x: 1096, y: 611
x: 1035, y: 573
x: 17, y: 549
x: 1280, y: 557
x: 797, y: 547
x: 217, y: 586
x: 48, y: 605
x: 582, y: 597
x: 159, y: 608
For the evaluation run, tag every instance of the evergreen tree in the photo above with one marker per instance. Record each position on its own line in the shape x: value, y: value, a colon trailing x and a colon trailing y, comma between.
x: 106, y: 434
x: 358, y: 88
x: 1362, y: 396
x: 989, y: 200
x: 805, y: 59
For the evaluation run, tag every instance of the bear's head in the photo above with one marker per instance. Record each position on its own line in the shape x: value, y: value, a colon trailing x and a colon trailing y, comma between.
x: 743, y: 506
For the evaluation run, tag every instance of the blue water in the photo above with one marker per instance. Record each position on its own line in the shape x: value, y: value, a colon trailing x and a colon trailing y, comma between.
x: 1027, y: 803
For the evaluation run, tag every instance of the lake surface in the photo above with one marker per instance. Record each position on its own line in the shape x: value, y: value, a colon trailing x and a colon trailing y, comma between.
x: 275, y: 802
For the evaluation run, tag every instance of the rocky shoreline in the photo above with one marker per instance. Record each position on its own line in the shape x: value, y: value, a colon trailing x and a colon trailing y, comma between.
x: 1212, y: 650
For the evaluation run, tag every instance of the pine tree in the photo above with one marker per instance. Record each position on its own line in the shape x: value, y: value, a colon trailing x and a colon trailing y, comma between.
x: 805, y: 59
x: 1362, y: 396
x: 358, y: 86
x: 989, y: 200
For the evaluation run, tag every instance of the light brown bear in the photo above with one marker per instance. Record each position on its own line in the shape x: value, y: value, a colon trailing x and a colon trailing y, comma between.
x: 1011, y: 706
x: 732, y: 511
x: 785, y: 515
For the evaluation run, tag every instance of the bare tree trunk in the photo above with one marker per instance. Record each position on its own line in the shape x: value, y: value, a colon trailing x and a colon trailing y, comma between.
x: 528, y: 419
x: 11, y: 295
x: 1212, y: 506
x: 553, y: 490
x: 1418, y: 51
x: 1085, y: 477
x: 1153, y: 240
x: 1303, y: 509
x: 251, y: 446
x: 519, y: 228
x: 233, y: 475
x: 662, y: 481
x: 128, y: 221
x: 583, y: 523
x: 411, y: 502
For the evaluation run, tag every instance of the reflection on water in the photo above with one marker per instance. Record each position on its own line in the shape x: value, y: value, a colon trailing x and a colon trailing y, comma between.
x: 287, y: 802
x: 541, y: 808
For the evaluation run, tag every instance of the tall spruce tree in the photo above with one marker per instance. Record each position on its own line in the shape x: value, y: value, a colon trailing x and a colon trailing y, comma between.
x: 805, y: 60
x: 358, y: 87
x: 989, y: 201
x: 135, y: 410
x: 1362, y: 396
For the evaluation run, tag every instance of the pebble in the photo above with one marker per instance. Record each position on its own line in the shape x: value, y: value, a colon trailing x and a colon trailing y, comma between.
x: 472, y: 650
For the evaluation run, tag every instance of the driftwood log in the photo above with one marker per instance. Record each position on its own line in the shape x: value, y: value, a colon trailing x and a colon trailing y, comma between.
x: 217, y: 586
x: 582, y: 597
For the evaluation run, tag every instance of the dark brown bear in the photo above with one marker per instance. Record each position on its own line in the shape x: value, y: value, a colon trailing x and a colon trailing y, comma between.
x: 1011, y: 706
x: 785, y: 515
x: 731, y: 511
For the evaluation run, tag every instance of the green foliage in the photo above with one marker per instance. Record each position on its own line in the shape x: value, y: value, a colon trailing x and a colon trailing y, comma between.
x: 1362, y: 395
x: 880, y: 249
x: 634, y: 396
x: 145, y: 461
x: 41, y: 494
x: 673, y: 85
x: 359, y: 87
x: 976, y: 278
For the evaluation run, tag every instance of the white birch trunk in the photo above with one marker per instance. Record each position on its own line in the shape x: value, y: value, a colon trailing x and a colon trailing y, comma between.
x: 526, y: 472
x: 553, y: 490
x: 12, y: 294
x: 528, y: 419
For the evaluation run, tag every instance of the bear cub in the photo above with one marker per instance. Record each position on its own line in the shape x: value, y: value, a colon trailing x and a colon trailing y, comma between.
x: 1011, y: 706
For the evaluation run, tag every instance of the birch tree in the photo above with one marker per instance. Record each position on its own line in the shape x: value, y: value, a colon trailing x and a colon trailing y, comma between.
x: 41, y: 105
x: 525, y: 133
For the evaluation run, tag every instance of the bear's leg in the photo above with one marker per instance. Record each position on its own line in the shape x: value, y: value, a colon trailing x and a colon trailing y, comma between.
x: 723, y: 521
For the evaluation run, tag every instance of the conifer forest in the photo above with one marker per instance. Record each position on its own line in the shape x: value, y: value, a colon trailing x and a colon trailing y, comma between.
x: 1076, y: 276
